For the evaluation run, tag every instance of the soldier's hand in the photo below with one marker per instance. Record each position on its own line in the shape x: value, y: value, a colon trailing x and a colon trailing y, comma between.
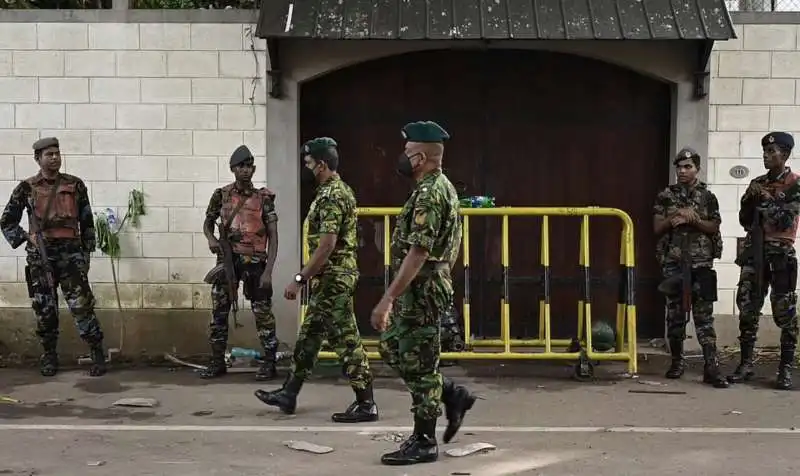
x: 32, y: 240
x: 691, y: 215
x: 677, y: 220
x: 380, y: 314
x: 213, y: 245
x: 291, y: 291
x: 754, y: 189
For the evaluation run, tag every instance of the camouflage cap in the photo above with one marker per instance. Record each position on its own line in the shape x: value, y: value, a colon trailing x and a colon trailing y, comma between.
x: 783, y: 139
x: 424, y: 131
x: 240, y: 155
x: 44, y: 143
x: 317, y: 146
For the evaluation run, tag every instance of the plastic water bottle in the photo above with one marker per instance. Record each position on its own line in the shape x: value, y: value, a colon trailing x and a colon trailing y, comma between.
x: 242, y: 353
x: 479, y: 201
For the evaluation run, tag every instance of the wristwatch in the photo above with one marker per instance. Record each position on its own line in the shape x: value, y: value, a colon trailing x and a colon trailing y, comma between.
x: 299, y: 279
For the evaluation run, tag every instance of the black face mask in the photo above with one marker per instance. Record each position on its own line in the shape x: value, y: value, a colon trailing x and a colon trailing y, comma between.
x: 307, y: 176
x: 404, y: 166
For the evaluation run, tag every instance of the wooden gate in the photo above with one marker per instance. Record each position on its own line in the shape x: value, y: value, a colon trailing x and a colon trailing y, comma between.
x: 530, y: 128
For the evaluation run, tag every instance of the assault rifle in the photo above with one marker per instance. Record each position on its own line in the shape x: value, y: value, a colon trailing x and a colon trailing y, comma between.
x: 230, y: 272
x: 757, y: 245
x: 686, y: 273
x: 44, y: 258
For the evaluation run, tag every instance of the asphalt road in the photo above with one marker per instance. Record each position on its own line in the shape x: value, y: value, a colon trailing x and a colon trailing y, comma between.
x: 541, y: 424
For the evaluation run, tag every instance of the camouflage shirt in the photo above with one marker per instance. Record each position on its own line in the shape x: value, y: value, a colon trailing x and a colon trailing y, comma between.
x: 779, y: 213
x: 704, y: 248
x: 21, y: 201
x: 333, y: 211
x: 268, y: 215
x: 429, y: 219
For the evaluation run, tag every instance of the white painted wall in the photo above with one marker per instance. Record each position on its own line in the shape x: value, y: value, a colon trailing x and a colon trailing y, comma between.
x: 157, y: 107
x: 160, y: 106
x: 754, y: 90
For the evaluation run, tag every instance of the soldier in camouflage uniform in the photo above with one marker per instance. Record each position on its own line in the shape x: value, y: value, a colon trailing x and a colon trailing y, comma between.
x: 775, y: 197
x: 689, y: 211
x: 61, y: 217
x: 425, y: 242
x: 332, y: 274
x: 249, y: 216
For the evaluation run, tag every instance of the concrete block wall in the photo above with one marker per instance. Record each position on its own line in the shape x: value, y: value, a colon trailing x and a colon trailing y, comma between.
x: 157, y: 107
x: 755, y: 88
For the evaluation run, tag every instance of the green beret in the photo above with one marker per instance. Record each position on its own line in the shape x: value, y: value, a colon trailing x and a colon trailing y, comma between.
x: 44, y: 143
x: 424, y: 131
x: 317, y: 146
x: 240, y: 155
x: 780, y: 138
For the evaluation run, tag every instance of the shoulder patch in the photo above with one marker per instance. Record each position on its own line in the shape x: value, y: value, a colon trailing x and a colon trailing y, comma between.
x: 420, y: 218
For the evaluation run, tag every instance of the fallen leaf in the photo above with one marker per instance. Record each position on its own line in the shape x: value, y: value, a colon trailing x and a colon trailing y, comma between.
x: 136, y: 402
x: 308, y: 447
x: 470, y: 449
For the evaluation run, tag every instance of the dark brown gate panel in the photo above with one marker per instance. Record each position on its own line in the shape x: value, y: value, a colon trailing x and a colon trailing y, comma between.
x: 528, y: 127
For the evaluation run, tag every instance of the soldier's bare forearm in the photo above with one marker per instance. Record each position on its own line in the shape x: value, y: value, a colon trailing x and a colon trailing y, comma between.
x: 272, y: 252
x: 327, y: 243
x: 661, y: 225
x: 409, y: 269
x: 208, y: 229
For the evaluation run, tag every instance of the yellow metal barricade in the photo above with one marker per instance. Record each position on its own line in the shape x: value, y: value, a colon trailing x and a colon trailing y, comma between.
x: 522, y: 349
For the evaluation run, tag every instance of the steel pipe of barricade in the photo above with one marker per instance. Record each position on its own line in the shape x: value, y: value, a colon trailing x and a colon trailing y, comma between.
x: 625, y: 345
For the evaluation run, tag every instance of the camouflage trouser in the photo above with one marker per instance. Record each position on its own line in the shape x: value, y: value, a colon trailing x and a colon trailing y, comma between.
x: 704, y: 295
x: 70, y: 272
x: 780, y: 273
x: 412, y: 344
x: 260, y: 302
x: 330, y: 316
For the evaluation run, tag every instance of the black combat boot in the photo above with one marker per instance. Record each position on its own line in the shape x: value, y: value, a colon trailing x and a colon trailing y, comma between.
x: 677, y: 366
x: 420, y: 447
x: 744, y: 371
x: 216, y: 366
x: 98, y: 356
x: 362, y: 410
x: 266, y: 371
x: 285, y: 398
x: 457, y: 402
x: 711, y: 373
x: 48, y: 362
x: 784, y: 381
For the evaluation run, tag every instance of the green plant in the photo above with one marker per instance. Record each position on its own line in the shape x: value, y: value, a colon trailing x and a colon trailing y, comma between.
x: 108, y: 232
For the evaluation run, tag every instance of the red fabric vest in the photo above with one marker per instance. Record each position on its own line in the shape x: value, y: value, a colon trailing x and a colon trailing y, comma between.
x: 248, y: 225
x: 62, y: 219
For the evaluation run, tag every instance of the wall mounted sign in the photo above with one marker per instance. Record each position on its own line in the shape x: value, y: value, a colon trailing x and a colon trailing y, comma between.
x: 739, y: 171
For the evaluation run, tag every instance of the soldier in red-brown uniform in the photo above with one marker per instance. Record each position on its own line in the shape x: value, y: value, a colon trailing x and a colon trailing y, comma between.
x: 248, y: 215
x: 60, y: 239
x: 774, y: 200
